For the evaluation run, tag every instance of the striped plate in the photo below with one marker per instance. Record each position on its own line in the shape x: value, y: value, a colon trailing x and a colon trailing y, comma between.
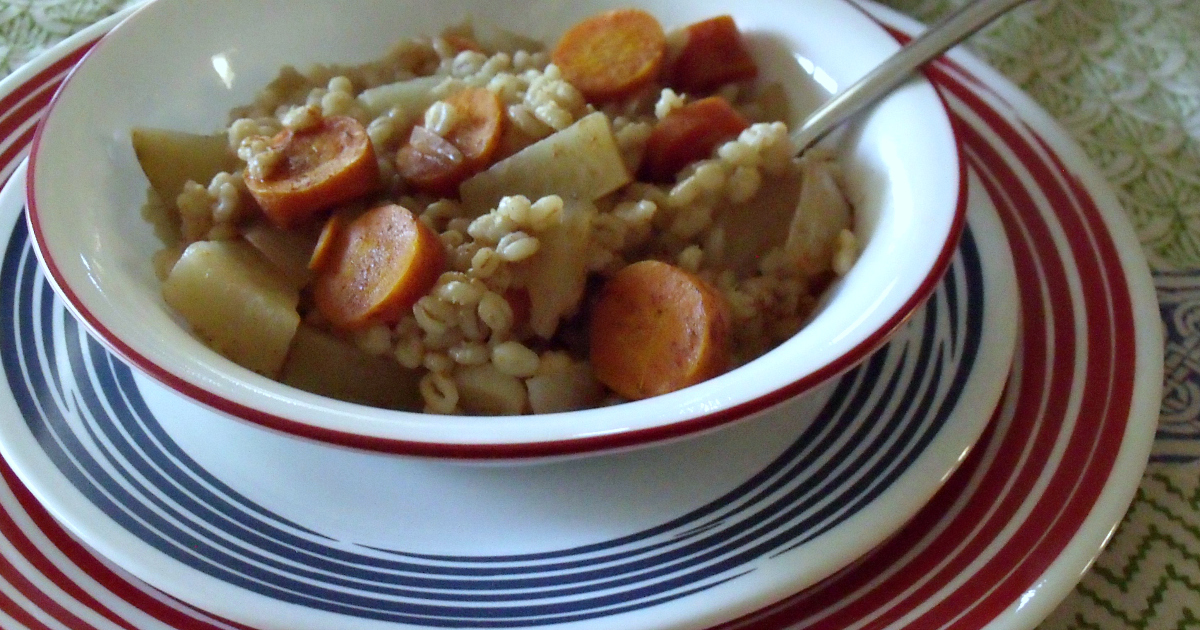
x: 721, y: 531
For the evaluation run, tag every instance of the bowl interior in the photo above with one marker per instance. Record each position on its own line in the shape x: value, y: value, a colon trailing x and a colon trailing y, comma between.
x: 183, y: 65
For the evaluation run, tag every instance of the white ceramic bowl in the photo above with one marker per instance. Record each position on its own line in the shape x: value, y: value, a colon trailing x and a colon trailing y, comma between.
x: 183, y: 65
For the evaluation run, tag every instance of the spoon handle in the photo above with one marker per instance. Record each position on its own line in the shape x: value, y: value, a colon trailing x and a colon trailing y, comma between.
x: 883, y: 78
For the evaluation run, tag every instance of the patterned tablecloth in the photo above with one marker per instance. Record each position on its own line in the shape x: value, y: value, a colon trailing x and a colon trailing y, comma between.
x: 1123, y: 77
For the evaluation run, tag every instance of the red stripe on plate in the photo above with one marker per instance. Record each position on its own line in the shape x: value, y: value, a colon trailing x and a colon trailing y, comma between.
x: 1041, y: 407
x: 1017, y: 464
x: 1036, y: 422
x: 1043, y: 402
x: 16, y: 151
x: 85, y: 561
x: 17, y: 578
x: 1107, y: 394
x: 45, y: 76
x: 996, y: 493
x: 26, y: 112
x: 1101, y: 418
x: 885, y: 566
x: 1048, y: 528
x: 16, y: 612
x: 15, y: 140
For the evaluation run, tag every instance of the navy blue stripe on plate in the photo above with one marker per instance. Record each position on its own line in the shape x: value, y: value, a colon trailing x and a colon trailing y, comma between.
x: 84, y: 408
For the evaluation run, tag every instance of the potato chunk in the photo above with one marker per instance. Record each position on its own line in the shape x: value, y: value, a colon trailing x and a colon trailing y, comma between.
x: 411, y: 96
x: 171, y: 158
x: 571, y: 388
x: 486, y: 390
x: 236, y: 302
x: 288, y: 250
x: 821, y: 214
x: 323, y: 364
x: 556, y: 275
x: 579, y: 162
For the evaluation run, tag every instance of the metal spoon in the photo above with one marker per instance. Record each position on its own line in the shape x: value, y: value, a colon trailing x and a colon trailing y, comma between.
x: 936, y: 40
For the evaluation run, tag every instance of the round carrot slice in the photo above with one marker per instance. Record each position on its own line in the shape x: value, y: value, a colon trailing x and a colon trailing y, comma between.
x: 688, y: 134
x: 438, y: 165
x: 656, y: 328
x: 480, y: 124
x: 612, y: 54
x: 714, y: 54
x: 330, y: 163
x: 382, y: 262
x: 326, y: 240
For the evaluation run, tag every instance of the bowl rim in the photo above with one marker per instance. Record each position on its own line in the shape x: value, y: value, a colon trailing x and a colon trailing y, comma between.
x: 499, y: 449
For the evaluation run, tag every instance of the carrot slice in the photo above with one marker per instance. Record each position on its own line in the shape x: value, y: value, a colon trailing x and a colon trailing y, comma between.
x: 381, y: 264
x: 438, y: 165
x: 480, y: 124
x: 323, y: 250
x: 687, y: 134
x: 656, y: 328
x: 612, y: 54
x: 714, y: 54
x: 330, y: 163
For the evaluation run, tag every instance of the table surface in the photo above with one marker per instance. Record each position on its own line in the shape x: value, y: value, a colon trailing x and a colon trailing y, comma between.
x: 1123, y: 78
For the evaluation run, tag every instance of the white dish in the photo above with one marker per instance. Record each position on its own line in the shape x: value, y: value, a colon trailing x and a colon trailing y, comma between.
x: 189, y: 64
x: 1004, y: 540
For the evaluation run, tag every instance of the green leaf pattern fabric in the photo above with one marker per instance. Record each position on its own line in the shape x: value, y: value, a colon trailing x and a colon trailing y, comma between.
x: 28, y: 27
x: 1123, y: 77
